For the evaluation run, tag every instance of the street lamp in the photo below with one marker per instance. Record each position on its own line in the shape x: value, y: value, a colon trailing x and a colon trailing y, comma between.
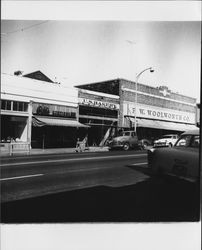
x: 136, y: 82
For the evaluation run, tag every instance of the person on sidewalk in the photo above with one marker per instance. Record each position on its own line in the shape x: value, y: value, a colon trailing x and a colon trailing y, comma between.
x: 81, y: 145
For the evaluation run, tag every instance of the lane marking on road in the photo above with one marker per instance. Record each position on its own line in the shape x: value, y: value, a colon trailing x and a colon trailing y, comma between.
x: 74, y: 159
x: 21, y: 177
x: 137, y: 164
x: 68, y: 171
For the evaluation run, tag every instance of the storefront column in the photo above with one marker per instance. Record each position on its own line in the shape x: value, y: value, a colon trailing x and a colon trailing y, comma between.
x: 29, y: 123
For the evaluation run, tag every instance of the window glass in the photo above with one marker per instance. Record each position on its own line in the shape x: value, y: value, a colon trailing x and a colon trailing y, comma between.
x: 8, y: 105
x: 15, y: 106
x: 20, y: 106
x: 167, y: 136
x: 195, y: 141
x: 184, y: 141
x: 3, y: 104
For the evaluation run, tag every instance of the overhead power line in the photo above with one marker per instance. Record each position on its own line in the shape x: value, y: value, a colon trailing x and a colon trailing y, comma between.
x: 23, y: 29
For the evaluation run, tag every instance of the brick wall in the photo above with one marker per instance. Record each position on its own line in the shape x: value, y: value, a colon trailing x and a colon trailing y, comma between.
x: 158, y: 99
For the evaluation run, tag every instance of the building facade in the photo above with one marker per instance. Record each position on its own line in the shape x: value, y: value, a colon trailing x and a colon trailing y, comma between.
x: 46, y: 114
x: 42, y: 113
x: 156, y: 111
x: 100, y: 111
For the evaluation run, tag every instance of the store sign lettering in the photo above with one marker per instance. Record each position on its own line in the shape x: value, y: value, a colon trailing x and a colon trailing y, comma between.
x: 160, y: 114
x: 42, y: 110
x: 45, y: 110
x: 98, y: 104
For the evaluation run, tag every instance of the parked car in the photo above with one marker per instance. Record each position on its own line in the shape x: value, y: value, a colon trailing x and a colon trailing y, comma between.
x: 181, y: 161
x: 166, y: 141
x: 144, y: 143
x: 128, y: 139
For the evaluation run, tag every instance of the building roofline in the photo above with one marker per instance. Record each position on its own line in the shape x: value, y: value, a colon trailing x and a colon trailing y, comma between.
x: 123, y: 79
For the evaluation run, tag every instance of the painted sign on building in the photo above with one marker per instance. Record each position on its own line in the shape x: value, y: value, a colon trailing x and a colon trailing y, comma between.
x: 157, y: 113
x: 98, y: 103
x: 53, y: 110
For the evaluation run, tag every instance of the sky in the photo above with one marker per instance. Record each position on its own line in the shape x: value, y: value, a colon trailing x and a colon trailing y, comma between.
x: 78, y: 52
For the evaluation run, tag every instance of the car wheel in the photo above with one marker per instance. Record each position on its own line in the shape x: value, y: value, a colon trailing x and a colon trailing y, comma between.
x: 145, y: 145
x: 126, y: 146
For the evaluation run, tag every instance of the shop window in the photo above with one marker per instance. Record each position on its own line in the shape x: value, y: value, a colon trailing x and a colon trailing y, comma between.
x: 5, y: 105
x: 15, y: 106
x: 20, y: 106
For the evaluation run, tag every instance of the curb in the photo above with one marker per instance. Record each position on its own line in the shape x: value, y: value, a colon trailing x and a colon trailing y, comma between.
x: 56, y: 151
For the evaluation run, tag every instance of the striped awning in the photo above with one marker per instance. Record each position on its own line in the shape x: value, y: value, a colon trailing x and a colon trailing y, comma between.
x: 47, y: 121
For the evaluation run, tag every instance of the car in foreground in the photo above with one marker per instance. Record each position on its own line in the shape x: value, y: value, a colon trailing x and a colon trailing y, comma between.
x: 166, y: 141
x: 181, y: 160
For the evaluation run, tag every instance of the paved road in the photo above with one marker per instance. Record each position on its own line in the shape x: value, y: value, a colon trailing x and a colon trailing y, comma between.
x: 92, y: 187
x: 31, y: 176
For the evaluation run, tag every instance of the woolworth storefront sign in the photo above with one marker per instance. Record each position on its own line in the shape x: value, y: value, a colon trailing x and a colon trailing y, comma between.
x: 98, y: 103
x: 149, y: 112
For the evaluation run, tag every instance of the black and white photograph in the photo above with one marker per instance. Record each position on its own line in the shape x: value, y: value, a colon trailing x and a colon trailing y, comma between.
x: 100, y: 117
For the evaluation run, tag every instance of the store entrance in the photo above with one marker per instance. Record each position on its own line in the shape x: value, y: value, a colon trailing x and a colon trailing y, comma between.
x: 54, y: 137
x: 13, y: 128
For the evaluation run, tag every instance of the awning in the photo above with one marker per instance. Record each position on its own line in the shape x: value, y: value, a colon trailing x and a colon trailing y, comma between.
x: 43, y: 121
x: 162, y: 125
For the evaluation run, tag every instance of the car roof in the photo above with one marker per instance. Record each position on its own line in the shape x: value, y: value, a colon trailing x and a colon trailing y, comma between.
x: 191, y: 132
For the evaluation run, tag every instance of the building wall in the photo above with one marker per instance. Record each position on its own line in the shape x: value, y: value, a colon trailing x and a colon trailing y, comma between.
x: 22, y: 89
x: 149, y: 98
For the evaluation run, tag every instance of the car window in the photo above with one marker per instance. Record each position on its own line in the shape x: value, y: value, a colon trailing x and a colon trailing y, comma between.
x: 195, y: 141
x: 184, y: 141
x: 166, y: 136
x: 127, y: 133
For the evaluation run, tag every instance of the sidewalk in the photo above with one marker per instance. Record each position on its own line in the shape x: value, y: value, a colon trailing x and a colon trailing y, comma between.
x: 65, y: 150
x: 39, y: 151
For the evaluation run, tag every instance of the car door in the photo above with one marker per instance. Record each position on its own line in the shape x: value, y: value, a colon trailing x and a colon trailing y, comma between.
x: 133, y: 139
x: 186, y: 157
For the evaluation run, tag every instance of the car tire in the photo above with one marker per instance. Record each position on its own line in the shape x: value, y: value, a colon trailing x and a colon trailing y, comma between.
x: 126, y: 146
x: 144, y: 145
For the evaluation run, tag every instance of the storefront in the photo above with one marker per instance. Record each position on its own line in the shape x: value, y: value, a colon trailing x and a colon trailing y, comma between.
x: 55, y: 126
x: 14, y: 120
x: 43, y: 114
x: 158, y: 111
x: 100, y: 112
x: 153, y: 111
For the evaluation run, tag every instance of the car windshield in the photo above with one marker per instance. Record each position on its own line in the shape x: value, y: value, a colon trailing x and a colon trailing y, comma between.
x: 167, y: 136
x: 184, y: 141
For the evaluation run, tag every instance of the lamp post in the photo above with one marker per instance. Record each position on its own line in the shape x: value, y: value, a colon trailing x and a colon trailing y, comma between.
x: 136, y: 82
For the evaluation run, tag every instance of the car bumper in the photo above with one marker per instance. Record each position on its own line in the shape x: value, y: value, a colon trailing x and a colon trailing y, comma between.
x: 116, y: 147
x: 161, y: 145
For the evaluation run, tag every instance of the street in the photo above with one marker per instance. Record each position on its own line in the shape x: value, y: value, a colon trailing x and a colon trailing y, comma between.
x: 91, y: 187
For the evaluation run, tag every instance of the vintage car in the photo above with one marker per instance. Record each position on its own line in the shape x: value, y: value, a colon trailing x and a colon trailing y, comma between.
x: 127, y: 140
x: 181, y: 160
x: 166, y: 141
